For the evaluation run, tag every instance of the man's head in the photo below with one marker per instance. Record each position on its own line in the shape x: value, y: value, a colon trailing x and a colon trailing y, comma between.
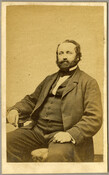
x: 68, y: 54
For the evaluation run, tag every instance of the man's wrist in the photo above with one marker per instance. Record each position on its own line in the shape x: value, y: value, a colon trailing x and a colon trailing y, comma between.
x: 13, y: 108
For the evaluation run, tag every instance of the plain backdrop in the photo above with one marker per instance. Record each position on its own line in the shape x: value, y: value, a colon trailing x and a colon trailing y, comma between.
x: 32, y: 35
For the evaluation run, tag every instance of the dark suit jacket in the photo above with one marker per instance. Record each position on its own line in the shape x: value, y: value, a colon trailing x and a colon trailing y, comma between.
x: 81, y: 109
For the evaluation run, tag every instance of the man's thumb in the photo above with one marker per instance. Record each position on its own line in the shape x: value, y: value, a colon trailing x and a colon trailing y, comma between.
x: 16, y: 120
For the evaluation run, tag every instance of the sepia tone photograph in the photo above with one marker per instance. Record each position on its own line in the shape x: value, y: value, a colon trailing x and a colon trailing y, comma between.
x: 54, y: 87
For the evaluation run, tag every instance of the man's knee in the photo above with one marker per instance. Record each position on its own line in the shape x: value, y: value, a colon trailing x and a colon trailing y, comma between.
x: 10, y: 138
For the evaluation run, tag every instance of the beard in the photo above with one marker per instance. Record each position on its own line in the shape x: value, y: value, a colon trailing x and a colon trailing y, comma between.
x: 65, y: 65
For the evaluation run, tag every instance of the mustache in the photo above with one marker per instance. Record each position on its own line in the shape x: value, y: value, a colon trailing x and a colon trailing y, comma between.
x: 63, y: 61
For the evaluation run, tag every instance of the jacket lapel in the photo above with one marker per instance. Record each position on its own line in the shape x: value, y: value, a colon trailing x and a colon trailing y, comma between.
x: 45, y: 90
x: 48, y: 84
x: 70, y: 86
x: 72, y: 83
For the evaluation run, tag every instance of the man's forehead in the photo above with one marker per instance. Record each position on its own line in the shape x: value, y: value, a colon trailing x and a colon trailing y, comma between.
x: 68, y: 46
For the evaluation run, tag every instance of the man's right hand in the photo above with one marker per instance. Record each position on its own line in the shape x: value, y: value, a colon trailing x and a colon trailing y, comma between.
x: 13, y: 117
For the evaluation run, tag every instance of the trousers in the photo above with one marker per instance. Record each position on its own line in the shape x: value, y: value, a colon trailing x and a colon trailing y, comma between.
x: 22, y: 141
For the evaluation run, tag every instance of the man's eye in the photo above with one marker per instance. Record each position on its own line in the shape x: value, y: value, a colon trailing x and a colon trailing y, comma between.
x: 68, y: 52
x: 60, y: 53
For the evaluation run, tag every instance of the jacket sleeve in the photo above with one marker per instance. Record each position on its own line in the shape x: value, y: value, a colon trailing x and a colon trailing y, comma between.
x: 91, y: 120
x: 27, y: 104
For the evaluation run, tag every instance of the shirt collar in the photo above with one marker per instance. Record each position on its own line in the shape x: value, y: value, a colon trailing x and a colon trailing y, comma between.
x: 73, y: 68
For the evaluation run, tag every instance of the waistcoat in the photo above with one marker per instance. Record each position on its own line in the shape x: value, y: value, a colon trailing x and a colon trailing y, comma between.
x: 50, y: 117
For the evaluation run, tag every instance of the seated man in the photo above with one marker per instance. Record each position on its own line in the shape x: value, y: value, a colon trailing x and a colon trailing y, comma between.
x: 65, y: 110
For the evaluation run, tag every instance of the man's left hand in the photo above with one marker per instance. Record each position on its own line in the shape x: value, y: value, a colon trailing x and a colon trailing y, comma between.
x: 62, y: 137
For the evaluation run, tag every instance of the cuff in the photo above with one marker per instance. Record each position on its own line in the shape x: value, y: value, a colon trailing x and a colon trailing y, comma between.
x: 76, y: 135
x: 13, y: 108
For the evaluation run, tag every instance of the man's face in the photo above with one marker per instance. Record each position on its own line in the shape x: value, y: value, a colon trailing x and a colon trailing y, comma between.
x: 66, y: 56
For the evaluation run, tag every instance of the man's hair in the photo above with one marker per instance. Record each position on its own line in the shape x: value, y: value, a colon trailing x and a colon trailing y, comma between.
x: 77, y: 49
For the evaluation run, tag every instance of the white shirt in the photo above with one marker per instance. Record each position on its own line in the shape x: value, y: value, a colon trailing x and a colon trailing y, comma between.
x: 61, y: 80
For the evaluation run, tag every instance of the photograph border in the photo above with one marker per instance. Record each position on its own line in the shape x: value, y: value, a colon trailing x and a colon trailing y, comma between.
x: 4, y: 85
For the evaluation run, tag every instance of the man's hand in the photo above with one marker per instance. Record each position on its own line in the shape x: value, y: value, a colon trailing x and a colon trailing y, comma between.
x: 13, y: 117
x: 62, y: 137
